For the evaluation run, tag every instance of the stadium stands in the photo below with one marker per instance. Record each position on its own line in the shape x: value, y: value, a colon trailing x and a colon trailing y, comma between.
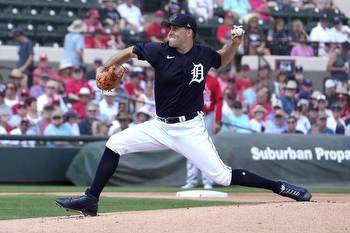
x: 46, y: 20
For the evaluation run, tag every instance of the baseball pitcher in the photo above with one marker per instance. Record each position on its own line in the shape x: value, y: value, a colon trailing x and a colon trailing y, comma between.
x: 180, y: 70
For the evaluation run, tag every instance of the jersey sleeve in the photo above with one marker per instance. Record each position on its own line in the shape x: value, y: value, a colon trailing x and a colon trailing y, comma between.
x: 149, y: 51
x: 215, y: 58
x: 212, y: 57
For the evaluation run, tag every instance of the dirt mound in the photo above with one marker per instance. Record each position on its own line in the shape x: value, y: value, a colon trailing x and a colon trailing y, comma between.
x: 328, y: 213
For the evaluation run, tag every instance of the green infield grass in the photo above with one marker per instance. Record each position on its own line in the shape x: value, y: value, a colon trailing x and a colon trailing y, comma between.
x: 237, y: 189
x: 30, y: 206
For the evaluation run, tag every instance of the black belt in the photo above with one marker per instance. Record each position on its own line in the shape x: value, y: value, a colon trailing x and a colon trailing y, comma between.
x: 173, y: 120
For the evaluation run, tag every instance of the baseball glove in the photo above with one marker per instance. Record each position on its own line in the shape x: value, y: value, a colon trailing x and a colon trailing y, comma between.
x: 110, y: 78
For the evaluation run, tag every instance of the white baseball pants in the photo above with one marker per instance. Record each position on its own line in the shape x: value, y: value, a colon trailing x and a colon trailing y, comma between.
x: 193, y: 173
x: 189, y: 138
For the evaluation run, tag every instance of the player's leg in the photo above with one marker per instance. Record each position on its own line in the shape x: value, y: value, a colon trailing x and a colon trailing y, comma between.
x: 192, y: 173
x: 209, y: 121
x: 197, y: 146
x: 142, y: 137
x: 206, y: 181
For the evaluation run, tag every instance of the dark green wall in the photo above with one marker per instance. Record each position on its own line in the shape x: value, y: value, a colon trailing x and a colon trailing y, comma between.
x: 35, y: 165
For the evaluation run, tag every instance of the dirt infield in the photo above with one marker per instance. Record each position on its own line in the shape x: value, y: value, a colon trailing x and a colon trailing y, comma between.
x: 326, y: 213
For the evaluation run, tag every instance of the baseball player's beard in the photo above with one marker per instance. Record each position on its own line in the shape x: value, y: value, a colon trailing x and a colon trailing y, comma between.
x: 173, y: 42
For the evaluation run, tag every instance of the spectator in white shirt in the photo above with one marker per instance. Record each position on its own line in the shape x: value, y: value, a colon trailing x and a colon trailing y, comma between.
x: 143, y: 114
x: 302, y: 122
x: 335, y: 122
x: 201, y: 9
x: 279, y: 124
x: 51, y: 94
x: 321, y: 33
x: 24, y: 128
x: 147, y: 98
x: 11, y: 97
x: 32, y: 110
x: 132, y: 16
x: 108, y: 105
x: 340, y: 33
x: 257, y: 123
x: 123, y: 121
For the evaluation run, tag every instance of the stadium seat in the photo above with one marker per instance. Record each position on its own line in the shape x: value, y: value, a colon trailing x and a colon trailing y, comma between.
x: 219, y: 11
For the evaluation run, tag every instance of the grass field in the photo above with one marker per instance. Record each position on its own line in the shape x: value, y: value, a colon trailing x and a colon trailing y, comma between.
x: 52, y: 188
x: 26, y: 204
x: 29, y: 206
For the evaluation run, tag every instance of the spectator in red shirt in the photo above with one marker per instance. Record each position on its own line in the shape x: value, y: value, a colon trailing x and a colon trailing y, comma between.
x: 213, y: 99
x: 84, y: 99
x: 43, y: 68
x: 73, y: 86
x: 223, y: 33
x: 114, y: 40
x: 133, y: 85
x: 262, y: 98
x: 224, y: 76
x: 21, y: 113
x: 156, y: 31
x: 64, y: 71
x: 23, y: 95
x: 243, y: 78
x: 92, y: 28
x: 343, y: 100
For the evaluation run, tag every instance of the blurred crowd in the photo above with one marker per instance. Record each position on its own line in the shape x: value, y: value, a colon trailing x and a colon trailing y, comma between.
x: 37, y: 99
x: 102, y: 28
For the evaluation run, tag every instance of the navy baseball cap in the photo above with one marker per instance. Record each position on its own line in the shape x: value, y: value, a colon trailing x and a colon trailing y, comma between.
x: 307, y: 82
x: 184, y: 20
x: 17, y: 32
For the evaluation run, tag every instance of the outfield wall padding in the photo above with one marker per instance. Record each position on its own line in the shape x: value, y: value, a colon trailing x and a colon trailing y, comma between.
x: 35, y: 165
x: 297, y: 158
x: 303, y: 159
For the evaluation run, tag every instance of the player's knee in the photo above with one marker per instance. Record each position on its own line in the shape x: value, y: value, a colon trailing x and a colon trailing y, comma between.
x: 113, y: 144
x: 222, y: 177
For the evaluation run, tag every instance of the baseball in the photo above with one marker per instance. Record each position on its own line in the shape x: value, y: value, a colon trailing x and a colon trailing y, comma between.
x: 237, y: 30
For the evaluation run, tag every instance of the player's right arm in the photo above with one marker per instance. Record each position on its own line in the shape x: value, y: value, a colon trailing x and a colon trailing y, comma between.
x: 120, y: 57
x: 228, y: 51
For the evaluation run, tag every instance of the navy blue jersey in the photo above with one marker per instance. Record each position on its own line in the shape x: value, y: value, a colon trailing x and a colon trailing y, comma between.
x: 179, y: 78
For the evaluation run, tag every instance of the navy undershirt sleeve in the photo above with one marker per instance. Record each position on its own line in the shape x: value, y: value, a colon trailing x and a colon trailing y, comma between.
x: 149, y: 51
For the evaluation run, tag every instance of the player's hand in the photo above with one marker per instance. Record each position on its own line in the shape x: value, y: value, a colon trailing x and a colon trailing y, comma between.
x: 237, y: 34
x: 217, y: 127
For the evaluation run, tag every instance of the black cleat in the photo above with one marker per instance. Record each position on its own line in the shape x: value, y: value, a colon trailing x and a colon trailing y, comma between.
x: 294, y: 192
x: 86, y: 204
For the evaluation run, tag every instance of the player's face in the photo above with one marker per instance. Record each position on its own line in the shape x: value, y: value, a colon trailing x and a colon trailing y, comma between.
x: 178, y: 36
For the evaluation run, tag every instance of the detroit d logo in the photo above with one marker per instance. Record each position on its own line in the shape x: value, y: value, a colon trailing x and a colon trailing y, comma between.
x: 197, y: 73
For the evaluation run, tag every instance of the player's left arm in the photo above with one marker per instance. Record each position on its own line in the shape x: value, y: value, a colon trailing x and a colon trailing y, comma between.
x: 228, y: 51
